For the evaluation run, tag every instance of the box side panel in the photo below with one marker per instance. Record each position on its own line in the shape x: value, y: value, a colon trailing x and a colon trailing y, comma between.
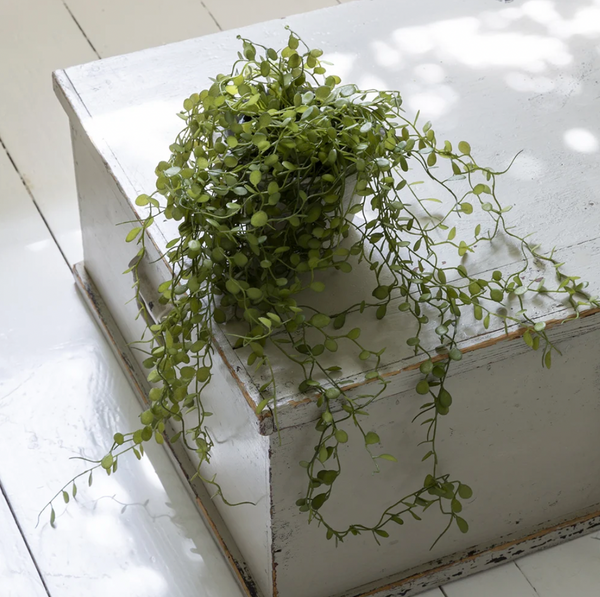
x: 524, y: 438
x: 240, y: 464
x: 240, y: 454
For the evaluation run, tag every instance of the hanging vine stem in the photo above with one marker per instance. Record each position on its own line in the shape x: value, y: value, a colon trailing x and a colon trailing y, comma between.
x: 257, y: 181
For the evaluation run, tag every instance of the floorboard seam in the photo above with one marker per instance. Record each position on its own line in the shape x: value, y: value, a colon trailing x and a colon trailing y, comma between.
x: 25, y: 542
x: 37, y: 207
x: 81, y: 29
x: 212, y: 16
x: 525, y: 576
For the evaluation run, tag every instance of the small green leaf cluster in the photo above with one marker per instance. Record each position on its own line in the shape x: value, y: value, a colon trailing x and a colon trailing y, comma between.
x: 282, y: 174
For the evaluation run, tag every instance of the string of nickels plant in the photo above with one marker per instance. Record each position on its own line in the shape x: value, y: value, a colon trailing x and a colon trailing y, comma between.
x: 259, y: 182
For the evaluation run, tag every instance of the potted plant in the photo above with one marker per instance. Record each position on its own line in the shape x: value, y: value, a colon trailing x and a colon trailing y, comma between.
x: 280, y: 175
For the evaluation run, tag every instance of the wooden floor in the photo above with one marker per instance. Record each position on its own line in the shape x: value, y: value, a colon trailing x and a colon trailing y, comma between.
x: 61, y: 391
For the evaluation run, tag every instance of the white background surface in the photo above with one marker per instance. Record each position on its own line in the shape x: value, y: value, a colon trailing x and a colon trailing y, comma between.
x: 61, y: 391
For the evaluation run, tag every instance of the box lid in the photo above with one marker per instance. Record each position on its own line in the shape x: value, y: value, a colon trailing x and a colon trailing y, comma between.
x: 505, y: 78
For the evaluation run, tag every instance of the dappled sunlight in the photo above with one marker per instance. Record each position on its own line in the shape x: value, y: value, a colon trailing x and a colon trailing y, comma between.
x: 528, y: 167
x: 533, y: 48
x: 369, y: 81
x: 467, y: 41
x: 429, y: 73
x: 581, y: 140
x: 497, y: 74
x: 343, y: 64
x: 386, y: 55
x: 106, y: 530
x: 541, y: 11
x: 155, y: 124
x: 585, y: 22
x: 434, y: 103
x: 537, y: 47
x: 151, y: 474
x: 527, y: 47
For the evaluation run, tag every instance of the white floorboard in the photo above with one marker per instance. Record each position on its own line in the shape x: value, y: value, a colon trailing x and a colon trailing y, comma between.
x: 504, y: 581
x: 239, y: 13
x: 568, y: 570
x: 18, y: 576
x: 62, y: 394
x: 36, y: 37
x: 118, y: 27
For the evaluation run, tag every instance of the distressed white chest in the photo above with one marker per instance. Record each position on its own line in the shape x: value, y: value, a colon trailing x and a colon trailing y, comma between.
x: 508, y: 78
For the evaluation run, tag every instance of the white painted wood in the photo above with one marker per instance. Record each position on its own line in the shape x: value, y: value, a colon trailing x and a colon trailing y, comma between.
x: 60, y: 396
x: 498, y: 582
x: 116, y: 27
x: 469, y: 68
x: 18, y: 574
x: 36, y: 38
x: 231, y: 15
x: 569, y: 569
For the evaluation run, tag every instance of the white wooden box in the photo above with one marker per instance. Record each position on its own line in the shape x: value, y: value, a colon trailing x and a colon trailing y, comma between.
x: 526, y: 439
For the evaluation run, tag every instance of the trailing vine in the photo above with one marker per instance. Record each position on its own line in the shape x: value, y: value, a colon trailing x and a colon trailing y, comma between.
x: 259, y: 181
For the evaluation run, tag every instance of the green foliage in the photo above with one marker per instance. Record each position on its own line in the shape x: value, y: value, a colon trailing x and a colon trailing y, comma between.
x: 256, y: 183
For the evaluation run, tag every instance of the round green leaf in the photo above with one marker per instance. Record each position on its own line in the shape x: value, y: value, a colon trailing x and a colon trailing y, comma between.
x: 320, y: 320
x: 462, y: 524
x: 341, y: 436
x: 371, y: 438
x: 107, y: 462
x: 455, y: 354
x: 464, y: 147
x: 323, y: 92
x: 255, y: 178
x: 445, y: 398
x: 260, y: 218
x: 423, y: 387
x: 426, y: 367
x: 465, y: 492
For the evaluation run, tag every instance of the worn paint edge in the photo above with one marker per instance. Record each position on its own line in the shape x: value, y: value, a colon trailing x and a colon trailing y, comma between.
x: 499, y: 554
x: 213, y: 521
x: 490, y: 341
